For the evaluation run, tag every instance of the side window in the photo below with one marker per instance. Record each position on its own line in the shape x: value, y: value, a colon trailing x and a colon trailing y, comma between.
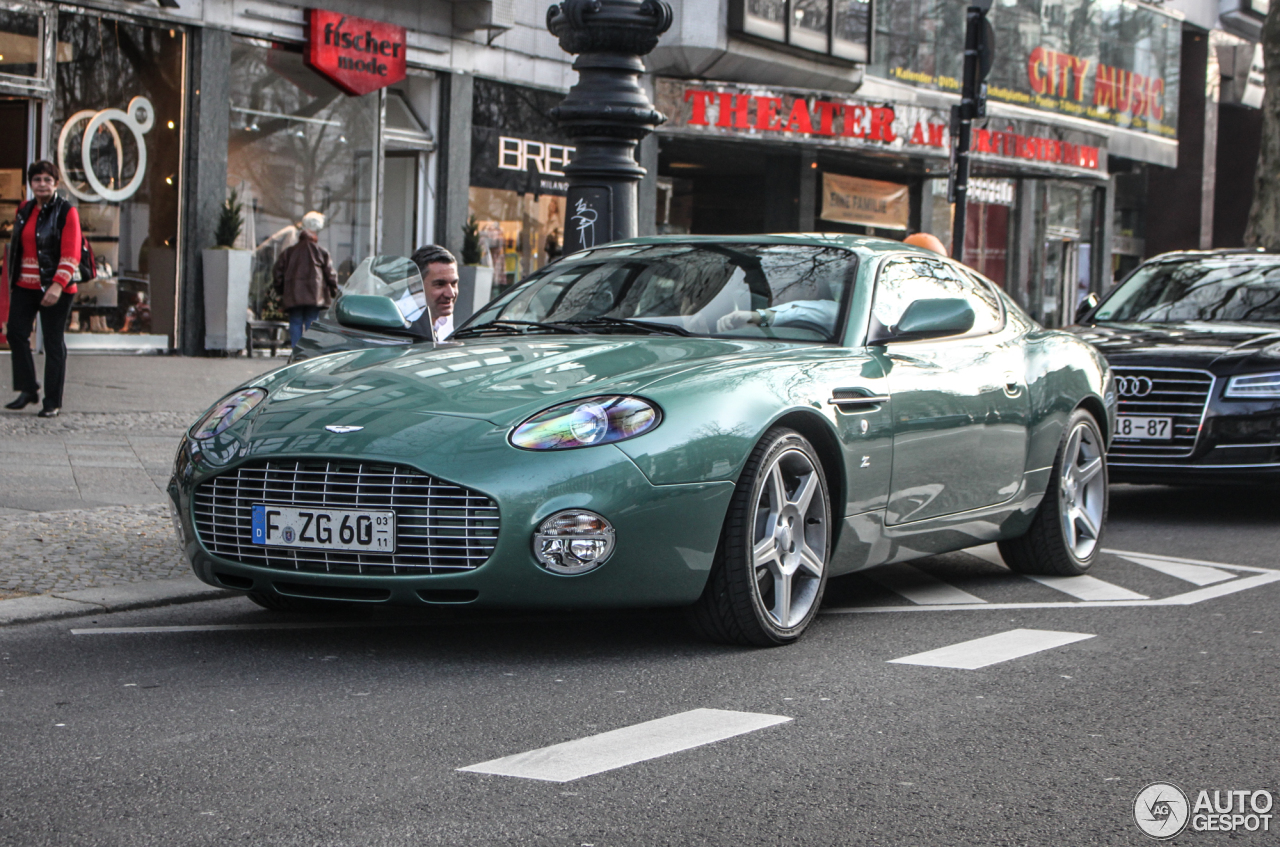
x: 905, y: 280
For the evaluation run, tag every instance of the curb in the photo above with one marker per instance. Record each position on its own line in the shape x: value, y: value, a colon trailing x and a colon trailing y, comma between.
x: 112, y: 598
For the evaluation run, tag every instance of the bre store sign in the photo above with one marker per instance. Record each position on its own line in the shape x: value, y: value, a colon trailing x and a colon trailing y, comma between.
x: 355, y: 54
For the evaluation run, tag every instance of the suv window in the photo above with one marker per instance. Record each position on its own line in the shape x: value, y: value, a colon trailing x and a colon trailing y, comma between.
x: 904, y: 280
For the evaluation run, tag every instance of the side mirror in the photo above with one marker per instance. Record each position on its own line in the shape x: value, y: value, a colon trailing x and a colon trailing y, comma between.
x: 1086, y: 306
x: 935, y: 318
x: 369, y: 311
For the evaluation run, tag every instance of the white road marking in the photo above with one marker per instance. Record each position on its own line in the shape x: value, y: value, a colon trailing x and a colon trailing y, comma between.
x: 919, y: 587
x: 1195, y: 574
x: 981, y: 652
x: 1087, y: 587
x: 988, y: 553
x: 1186, y: 561
x: 1188, y: 599
x: 627, y: 746
x: 225, y: 627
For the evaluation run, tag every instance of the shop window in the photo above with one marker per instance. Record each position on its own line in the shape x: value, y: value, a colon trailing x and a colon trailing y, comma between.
x: 518, y: 184
x: 832, y: 27
x: 21, y: 43
x: 297, y: 144
x: 519, y: 232
x: 116, y: 122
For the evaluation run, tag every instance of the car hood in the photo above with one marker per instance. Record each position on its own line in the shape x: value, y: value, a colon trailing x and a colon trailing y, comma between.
x: 500, y: 380
x: 1222, y: 347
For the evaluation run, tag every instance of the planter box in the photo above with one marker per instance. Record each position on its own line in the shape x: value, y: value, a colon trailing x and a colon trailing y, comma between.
x: 226, y: 298
x: 475, y: 290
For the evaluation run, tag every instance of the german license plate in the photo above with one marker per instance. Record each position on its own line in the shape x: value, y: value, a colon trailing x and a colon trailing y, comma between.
x: 324, y: 529
x: 1144, y: 428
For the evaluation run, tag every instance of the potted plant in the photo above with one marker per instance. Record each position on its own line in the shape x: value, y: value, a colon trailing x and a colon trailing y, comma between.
x: 475, y: 282
x: 226, y: 281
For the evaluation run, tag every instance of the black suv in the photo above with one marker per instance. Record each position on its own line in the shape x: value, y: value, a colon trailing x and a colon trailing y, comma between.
x: 1194, y: 340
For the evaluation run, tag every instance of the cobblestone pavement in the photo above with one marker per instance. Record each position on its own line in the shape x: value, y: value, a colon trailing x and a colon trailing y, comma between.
x: 73, y: 423
x: 87, y: 548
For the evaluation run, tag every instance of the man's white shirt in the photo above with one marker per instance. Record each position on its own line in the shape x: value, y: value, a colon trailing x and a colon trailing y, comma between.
x: 443, y: 327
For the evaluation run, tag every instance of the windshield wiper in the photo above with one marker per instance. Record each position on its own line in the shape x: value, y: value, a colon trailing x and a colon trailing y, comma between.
x: 650, y: 326
x: 511, y: 326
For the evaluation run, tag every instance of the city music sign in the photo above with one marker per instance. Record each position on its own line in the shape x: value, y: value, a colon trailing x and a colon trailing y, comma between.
x: 355, y: 54
x: 1115, y: 62
x: 774, y: 114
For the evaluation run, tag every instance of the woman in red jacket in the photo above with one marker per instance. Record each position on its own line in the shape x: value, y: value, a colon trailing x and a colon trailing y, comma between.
x: 44, y: 257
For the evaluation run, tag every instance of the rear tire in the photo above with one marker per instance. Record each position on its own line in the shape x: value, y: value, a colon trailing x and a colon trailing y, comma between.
x: 1066, y: 533
x: 770, y: 569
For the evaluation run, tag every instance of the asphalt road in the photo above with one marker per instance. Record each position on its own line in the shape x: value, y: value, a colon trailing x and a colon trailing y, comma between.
x: 351, y: 730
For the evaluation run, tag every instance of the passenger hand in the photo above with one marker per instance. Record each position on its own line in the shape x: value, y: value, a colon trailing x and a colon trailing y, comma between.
x: 736, y: 319
x: 51, y: 295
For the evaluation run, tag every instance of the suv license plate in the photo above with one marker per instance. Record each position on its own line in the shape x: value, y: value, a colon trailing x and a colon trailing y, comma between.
x: 1143, y: 428
x: 324, y: 529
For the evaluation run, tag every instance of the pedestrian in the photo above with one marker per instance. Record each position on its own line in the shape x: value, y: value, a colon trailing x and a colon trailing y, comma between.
x: 440, y: 284
x: 304, y: 278
x: 44, y: 262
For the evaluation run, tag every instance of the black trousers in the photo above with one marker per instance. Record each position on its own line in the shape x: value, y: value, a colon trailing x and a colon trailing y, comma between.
x: 24, y: 305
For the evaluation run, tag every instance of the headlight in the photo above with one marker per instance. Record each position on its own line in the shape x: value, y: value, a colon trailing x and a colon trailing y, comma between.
x: 227, y: 412
x: 585, y: 423
x: 1254, y: 385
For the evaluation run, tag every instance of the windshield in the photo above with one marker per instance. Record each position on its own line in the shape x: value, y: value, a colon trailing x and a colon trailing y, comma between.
x: 783, y: 291
x: 1232, y: 288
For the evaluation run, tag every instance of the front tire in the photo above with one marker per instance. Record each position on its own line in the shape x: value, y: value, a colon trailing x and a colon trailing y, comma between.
x: 1066, y: 533
x: 770, y: 570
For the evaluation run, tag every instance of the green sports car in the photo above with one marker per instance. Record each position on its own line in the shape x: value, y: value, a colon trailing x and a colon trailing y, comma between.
x: 716, y: 423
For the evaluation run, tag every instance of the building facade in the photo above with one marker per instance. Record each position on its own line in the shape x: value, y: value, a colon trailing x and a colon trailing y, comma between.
x: 407, y: 121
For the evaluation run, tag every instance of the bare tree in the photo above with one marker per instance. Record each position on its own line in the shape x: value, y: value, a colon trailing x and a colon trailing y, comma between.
x: 1264, y: 217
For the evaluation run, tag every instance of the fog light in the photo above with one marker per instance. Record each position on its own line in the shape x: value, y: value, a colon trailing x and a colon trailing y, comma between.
x: 573, y: 542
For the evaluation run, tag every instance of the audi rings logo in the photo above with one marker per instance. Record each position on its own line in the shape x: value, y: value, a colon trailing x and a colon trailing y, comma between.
x: 1134, y: 386
x: 101, y: 138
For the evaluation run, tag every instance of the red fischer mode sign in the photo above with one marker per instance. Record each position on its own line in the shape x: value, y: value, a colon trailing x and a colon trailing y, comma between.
x: 726, y: 110
x: 357, y: 55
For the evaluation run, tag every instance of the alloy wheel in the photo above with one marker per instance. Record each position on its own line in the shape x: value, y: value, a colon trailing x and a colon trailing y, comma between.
x: 789, y: 539
x: 1083, y: 487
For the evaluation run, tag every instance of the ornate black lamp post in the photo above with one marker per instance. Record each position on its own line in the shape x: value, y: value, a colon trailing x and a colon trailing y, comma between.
x: 607, y: 112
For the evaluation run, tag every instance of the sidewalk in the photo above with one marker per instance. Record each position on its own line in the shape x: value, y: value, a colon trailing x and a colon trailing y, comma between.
x: 84, y: 522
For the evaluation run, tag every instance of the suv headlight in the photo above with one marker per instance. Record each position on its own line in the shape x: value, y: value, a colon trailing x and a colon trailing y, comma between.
x: 226, y: 412
x: 1248, y: 386
x: 586, y: 423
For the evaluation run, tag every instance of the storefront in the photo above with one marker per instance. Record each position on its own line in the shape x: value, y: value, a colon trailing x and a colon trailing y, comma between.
x: 103, y: 97
x: 738, y: 159
x: 518, y: 185
x: 312, y: 123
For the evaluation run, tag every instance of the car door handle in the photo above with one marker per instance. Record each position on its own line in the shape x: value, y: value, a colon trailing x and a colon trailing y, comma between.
x: 855, y: 398
x: 1011, y: 385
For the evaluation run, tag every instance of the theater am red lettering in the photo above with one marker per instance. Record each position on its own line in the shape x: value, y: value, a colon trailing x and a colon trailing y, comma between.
x: 356, y: 54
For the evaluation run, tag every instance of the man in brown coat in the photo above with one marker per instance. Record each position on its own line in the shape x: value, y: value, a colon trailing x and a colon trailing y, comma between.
x: 304, y: 278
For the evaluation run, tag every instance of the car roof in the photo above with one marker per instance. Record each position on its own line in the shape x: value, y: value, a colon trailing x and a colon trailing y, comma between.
x: 859, y: 243
x: 1223, y: 253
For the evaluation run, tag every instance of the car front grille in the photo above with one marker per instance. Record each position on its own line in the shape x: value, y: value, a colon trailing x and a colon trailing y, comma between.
x: 440, y: 527
x: 1177, y: 393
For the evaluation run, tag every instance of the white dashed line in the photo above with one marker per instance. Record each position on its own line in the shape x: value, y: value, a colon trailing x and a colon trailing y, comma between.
x: 1195, y: 574
x: 1087, y: 588
x: 919, y: 587
x: 993, y: 649
x: 627, y: 746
